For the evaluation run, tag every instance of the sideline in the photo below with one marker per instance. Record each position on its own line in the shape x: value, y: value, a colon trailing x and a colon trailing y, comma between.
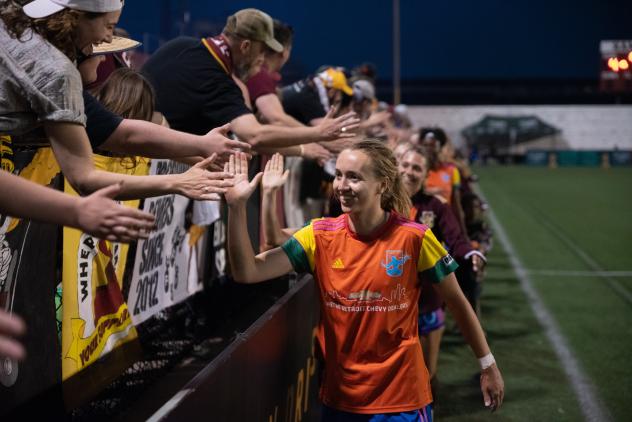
x: 589, y: 403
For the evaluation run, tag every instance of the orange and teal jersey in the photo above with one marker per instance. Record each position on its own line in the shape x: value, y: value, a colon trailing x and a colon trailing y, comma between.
x: 369, y: 290
x: 443, y: 181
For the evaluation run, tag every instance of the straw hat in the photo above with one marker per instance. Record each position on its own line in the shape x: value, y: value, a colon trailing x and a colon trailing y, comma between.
x: 118, y: 45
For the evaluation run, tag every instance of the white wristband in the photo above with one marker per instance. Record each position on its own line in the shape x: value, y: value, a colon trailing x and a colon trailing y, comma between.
x: 486, y: 361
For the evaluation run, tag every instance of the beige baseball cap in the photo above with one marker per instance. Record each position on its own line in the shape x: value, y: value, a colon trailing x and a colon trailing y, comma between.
x: 253, y: 24
x: 42, y: 8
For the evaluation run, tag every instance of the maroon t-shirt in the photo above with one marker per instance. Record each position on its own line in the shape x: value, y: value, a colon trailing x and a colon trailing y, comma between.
x: 439, y: 216
x: 262, y: 83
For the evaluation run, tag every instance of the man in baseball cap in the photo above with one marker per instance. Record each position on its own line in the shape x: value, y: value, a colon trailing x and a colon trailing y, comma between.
x: 253, y: 24
x: 335, y: 79
x: 42, y: 8
x: 196, y: 84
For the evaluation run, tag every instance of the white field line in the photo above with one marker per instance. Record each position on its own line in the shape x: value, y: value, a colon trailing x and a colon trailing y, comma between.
x: 572, y: 273
x: 582, y: 386
x: 614, y: 284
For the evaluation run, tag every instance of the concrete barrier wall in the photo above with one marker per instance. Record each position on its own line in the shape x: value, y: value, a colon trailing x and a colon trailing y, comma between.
x: 269, y: 373
x: 595, y: 127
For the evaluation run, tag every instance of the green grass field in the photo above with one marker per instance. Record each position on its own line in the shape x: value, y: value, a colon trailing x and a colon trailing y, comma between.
x: 568, y: 226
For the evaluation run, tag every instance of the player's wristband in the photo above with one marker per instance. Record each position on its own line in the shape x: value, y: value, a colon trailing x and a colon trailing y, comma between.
x: 486, y: 361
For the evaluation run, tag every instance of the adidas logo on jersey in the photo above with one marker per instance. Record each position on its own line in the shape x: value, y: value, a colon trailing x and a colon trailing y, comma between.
x: 338, y: 264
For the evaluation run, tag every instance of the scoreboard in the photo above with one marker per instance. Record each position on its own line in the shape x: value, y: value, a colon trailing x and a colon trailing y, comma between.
x: 616, y: 65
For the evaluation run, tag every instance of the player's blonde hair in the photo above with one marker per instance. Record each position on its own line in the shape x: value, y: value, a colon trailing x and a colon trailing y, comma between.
x: 384, y: 168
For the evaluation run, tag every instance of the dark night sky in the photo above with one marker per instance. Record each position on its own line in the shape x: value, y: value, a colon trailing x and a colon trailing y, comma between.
x: 484, y: 39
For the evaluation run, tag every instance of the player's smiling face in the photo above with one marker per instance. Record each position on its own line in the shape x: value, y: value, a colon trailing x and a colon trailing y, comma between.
x: 413, y: 169
x: 355, y: 185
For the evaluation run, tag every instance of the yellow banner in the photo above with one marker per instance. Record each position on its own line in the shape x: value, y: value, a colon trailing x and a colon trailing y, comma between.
x: 41, y: 170
x: 95, y: 316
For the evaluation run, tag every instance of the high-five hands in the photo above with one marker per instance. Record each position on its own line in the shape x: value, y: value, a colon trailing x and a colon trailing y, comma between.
x: 273, y: 175
x: 241, y: 189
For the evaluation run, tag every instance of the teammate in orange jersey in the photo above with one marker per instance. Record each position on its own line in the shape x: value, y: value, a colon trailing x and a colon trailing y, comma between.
x: 367, y: 264
x: 443, y: 178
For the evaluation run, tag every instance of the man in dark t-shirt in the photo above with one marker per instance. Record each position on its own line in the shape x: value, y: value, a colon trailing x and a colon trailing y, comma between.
x: 199, y: 94
x: 308, y: 101
x: 301, y: 101
x: 109, y: 132
x: 195, y: 89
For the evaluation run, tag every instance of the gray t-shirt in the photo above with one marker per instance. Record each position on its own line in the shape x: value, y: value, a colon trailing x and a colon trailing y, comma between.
x: 38, y: 83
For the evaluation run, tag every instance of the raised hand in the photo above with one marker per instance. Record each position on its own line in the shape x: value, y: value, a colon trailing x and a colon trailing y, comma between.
x: 241, y: 190
x: 273, y: 175
x: 99, y: 215
x: 199, y: 183
x: 344, y: 126
x: 217, y: 142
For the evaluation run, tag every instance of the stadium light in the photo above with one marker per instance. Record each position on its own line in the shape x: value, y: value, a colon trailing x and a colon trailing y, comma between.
x: 623, y: 64
x: 613, y: 64
x: 630, y: 56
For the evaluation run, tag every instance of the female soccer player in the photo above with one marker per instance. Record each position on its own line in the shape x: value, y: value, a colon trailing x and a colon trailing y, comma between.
x: 367, y: 264
x: 438, y: 216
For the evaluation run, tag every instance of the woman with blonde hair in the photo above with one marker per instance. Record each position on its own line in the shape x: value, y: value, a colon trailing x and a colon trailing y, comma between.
x: 367, y: 263
x: 128, y: 94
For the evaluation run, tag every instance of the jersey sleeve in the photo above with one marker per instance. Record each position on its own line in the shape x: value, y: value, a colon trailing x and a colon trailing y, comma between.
x: 301, y: 249
x: 434, y: 262
x: 451, y: 232
x: 456, y: 177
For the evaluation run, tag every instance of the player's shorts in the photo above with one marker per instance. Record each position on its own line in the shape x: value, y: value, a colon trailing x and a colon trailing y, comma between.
x: 431, y: 321
x: 333, y: 415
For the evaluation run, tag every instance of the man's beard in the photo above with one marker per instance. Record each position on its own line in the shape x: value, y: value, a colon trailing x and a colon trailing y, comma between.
x: 243, y: 71
x: 247, y: 69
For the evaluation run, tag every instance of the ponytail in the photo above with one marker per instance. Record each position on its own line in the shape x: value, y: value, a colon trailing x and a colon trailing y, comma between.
x: 396, y: 198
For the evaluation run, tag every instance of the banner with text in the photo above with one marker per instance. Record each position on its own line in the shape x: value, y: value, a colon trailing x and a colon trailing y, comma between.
x: 95, y: 316
x: 167, y: 264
